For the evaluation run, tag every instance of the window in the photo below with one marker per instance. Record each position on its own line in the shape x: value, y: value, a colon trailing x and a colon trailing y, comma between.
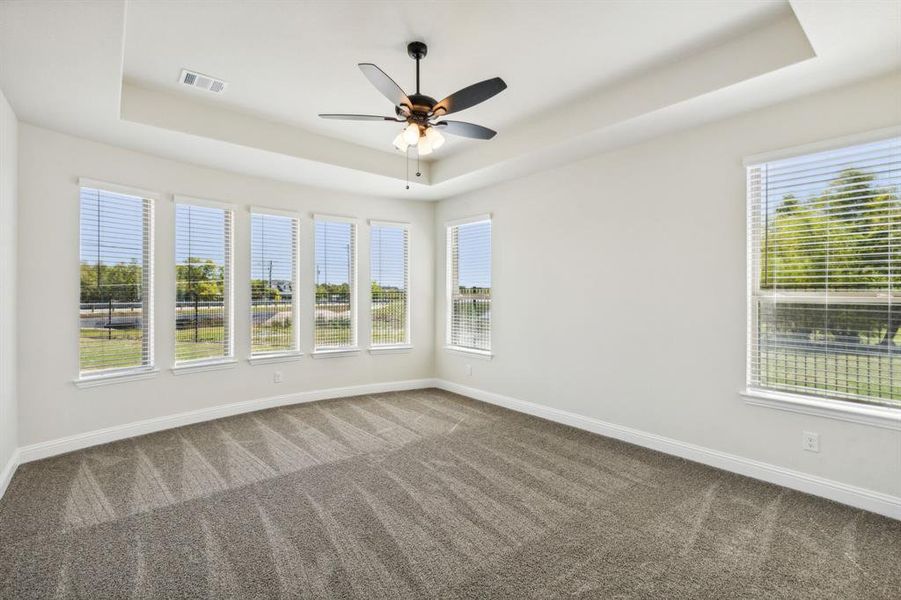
x: 389, y: 275
x: 335, y: 322
x: 469, y: 285
x: 273, y: 279
x: 825, y: 264
x: 116, y: 305
x: 203, y: 264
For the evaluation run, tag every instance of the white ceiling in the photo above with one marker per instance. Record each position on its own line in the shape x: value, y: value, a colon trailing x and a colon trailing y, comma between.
x: 582, y: 76
x: 290, y: 61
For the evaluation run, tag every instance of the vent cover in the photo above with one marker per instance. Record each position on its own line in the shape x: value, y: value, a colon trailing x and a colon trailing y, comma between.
x: 204, y: 82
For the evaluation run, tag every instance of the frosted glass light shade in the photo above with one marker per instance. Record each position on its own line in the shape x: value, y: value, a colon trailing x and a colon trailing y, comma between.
x: 435, y: 138
x: 411, y: 133
x: 425, y: 146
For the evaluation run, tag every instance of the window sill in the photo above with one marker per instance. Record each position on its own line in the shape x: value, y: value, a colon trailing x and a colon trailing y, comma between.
x: 876, y: 416
x: 390, y: 349
x: 110, y: 379
x: 483, y: 354
x: 201, y: 366
x: 266, y: 359
x: 336, y: 353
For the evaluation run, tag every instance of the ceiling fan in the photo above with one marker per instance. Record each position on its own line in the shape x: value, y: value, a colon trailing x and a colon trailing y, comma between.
x: 423, y: 115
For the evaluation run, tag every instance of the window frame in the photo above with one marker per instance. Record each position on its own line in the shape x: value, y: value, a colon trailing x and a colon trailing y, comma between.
x: 297, y: 352
x: 821, y: 405
x: 228, y: 296
x: 144, y: 371
x: 408, y: 341
x: 353, y: 281
x: 449, y: 287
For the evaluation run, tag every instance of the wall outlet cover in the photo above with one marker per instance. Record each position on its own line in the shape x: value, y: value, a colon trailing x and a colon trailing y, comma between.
x: 810, y: 441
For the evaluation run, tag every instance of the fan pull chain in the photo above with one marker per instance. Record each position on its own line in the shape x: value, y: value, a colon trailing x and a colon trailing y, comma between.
x: 407, y: 163
x: 418, y: 173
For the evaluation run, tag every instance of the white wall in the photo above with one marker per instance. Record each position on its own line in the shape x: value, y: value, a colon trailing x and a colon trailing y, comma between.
x: 50, y: 405
x: 619, y: 289
x: 8, y: 177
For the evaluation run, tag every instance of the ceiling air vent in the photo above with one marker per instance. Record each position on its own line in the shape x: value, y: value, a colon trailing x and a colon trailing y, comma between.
x: 204, y: 82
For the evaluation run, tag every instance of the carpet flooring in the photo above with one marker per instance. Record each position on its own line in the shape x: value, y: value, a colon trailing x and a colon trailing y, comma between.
x: 420, y: 494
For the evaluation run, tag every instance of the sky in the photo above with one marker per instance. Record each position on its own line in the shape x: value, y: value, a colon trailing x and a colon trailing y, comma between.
x: 120, y: 223
x: 271, y: 245
x: 808, y: 175
x: 199, y: 233
x: 386, y: 258
x: 474, y: 254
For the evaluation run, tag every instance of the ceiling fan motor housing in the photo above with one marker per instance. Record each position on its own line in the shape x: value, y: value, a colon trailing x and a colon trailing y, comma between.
x: 421, y: 109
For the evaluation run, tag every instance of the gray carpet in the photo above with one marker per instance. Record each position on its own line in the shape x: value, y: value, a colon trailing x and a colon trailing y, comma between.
x: 420, y: 494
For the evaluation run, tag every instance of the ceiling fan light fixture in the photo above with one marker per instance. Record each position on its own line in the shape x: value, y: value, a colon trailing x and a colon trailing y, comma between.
x: 425, y: 146
x: 400, y: 143
x: 411, y: 134
x: 424, y: 116
x: 436, y: 140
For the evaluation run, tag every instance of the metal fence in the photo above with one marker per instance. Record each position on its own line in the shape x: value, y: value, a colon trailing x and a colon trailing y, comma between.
x: 333, y: 320
x: 272, y: 325
x: 112, y: 316
x: 470, y: 325
x: 389, y: 317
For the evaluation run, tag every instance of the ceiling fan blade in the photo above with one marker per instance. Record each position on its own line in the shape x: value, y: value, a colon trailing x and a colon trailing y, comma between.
x: 466, y: 130
x: 360, y: 118
x: 470, y: 96
x: 385, y: 85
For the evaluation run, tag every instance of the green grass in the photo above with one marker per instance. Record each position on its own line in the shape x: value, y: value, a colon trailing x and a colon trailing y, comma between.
x: 835, y: 374
x: 98, y: 351
x: 208, y: 343
x: 125, y: 344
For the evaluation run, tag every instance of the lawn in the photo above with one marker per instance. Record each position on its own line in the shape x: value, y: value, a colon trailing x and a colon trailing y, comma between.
x: 120, y: 348
x: 842, y: 375
x: 103, y: 349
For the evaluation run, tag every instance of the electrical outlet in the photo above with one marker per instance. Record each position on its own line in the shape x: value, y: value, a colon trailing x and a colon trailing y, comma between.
x: 277, y: 377
x: 810, y: 441
x: 469, y: 370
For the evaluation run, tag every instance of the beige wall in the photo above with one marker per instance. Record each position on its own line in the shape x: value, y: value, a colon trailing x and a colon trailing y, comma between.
x: 646, y: 244
x: 8, y: 178
x: 51, y: 406
x: 619, y: 289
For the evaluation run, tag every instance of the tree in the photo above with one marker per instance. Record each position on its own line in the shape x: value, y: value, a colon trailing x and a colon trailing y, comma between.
x: 332, y: 288
x: 199, y: 279
x: 260, y: 290
x: 121, y: 282
x: 849, y: 230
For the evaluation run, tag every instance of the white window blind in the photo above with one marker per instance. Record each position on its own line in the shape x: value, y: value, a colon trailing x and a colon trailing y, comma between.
x: 116, y: 306
x: 335, y: 248
x: 273, y: 280
x: 203, y: 255
x: 389, y: 273
x: 469, y: 285
x: 824, y: 273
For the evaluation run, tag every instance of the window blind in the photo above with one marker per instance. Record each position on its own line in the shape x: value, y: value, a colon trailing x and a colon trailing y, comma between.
x: 273, y: 268
x: 335, y: 318
x: 389, y: 273
x: 116, y: 304
x: 824, y: 259
x: 203, y: 249
x: 469, y: 283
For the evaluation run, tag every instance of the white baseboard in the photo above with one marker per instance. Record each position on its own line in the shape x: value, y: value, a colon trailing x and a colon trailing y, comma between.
x: 8, y: 469
x: 119, y: 432
x: 858, y: 497
x: 870, y: 500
